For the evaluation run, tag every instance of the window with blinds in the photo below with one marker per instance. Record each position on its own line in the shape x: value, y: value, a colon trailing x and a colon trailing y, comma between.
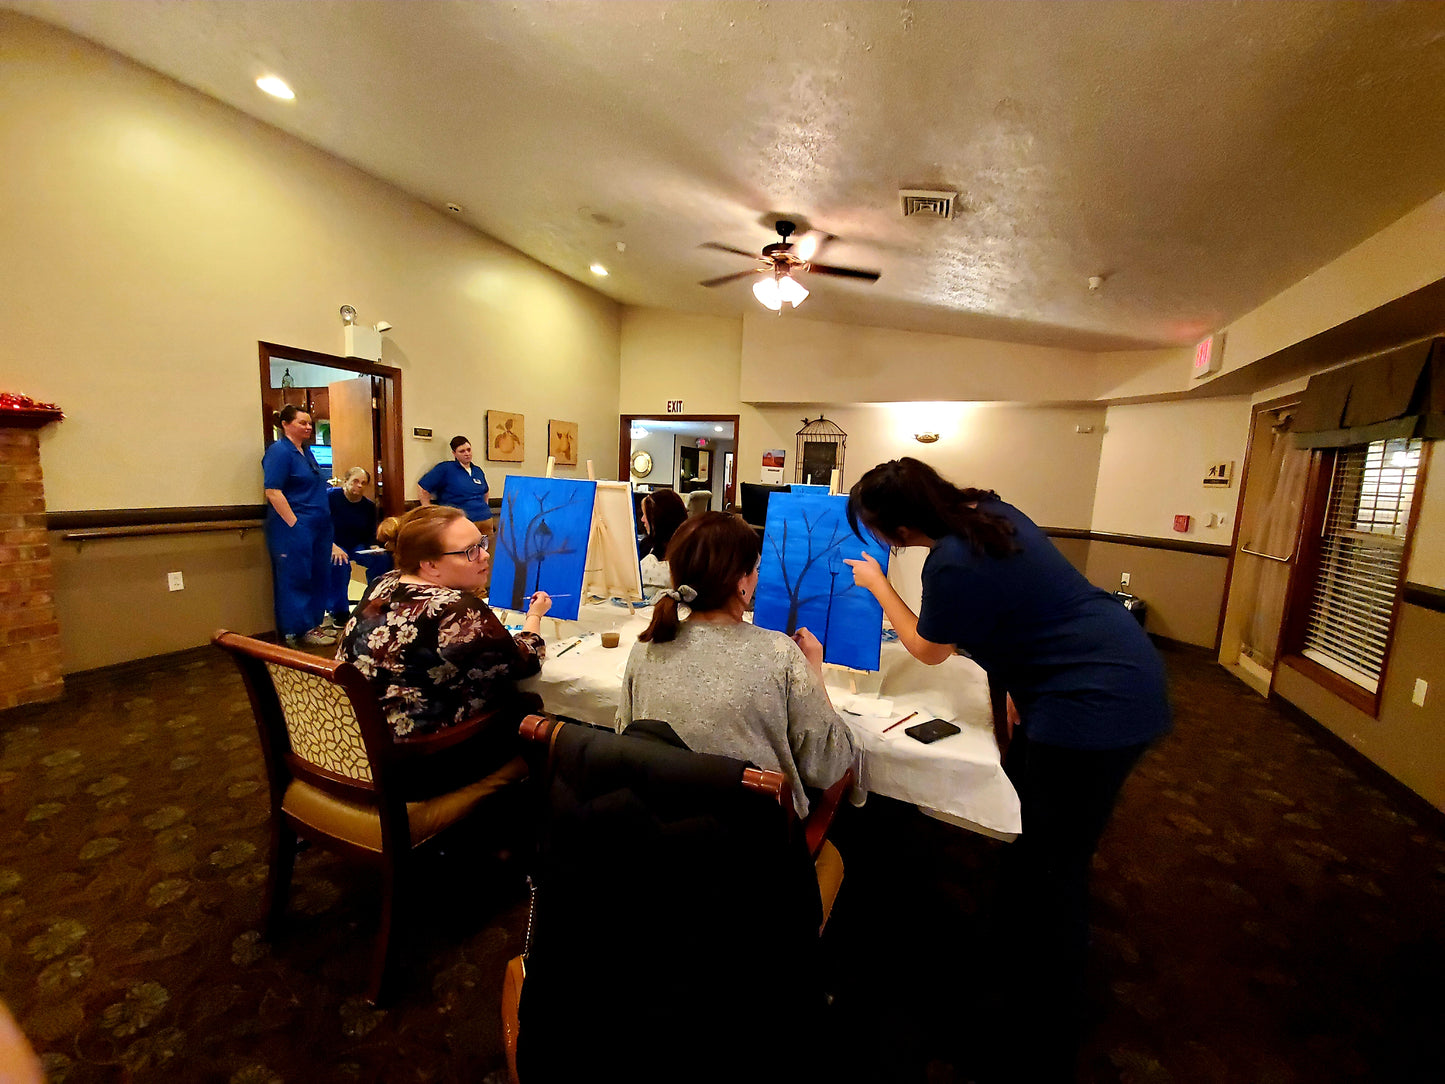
x: 1362, y: 545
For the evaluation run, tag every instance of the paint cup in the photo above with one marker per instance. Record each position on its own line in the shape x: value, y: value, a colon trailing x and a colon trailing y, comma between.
x: 611, y: 639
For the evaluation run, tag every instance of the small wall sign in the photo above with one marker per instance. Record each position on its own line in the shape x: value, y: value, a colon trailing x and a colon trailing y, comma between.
x: 674, y: 406
x: 1219, y: 475
x: 420, y: 433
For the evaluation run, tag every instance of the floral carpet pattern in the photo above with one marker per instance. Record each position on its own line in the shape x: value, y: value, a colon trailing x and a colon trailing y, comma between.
x: 1266, y: 909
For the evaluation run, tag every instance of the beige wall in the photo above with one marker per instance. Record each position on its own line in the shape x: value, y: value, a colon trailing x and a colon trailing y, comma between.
x: 1183, y: 591
x: 1427, y: 555
x: 151, y: 237
x: 787, y: 359
x: 1405, y: 739
x: 1152, y: 464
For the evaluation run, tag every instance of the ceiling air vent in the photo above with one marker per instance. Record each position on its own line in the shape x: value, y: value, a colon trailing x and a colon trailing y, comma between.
x: 924, y: 203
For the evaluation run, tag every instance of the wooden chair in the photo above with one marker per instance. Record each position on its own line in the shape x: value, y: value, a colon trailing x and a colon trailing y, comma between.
x: 675, y: 917
x: 338, y: 778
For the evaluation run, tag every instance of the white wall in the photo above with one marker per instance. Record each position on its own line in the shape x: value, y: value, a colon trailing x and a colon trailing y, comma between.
x: 1152, y: 465
x: 152, y: 236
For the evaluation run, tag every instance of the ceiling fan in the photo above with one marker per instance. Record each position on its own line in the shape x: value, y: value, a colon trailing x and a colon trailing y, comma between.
x: 781, y: 262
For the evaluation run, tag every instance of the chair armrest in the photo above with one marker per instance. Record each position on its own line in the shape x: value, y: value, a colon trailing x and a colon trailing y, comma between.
x: 427, y: 744
x: 820, y: 816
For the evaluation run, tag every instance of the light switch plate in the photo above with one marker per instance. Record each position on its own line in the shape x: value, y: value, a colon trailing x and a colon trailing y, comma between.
x: 175, y: 581
x: 1418, y: 696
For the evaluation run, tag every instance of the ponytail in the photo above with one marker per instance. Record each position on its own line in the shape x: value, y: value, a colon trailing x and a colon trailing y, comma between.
x: 909, y: 493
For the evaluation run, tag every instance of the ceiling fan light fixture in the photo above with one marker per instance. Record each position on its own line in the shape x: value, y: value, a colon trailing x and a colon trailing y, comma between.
x: 791, y: 290
x: 766, y: 290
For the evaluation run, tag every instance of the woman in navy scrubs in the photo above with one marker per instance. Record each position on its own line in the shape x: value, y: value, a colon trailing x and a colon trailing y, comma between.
x: 1090, y: 692
x: 460, y: 483
x: 298, y: 531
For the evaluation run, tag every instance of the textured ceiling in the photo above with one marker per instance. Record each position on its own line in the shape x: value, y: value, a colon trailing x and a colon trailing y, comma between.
x: 1200, y: 156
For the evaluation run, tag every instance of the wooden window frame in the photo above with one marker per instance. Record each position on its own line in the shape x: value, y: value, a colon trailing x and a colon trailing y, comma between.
x: 1306, y: 575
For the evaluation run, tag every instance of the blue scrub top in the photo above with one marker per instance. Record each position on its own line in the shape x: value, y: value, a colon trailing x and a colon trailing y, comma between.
x: 295, y: 472
x: 1080, y: 669
x: 451, y: 483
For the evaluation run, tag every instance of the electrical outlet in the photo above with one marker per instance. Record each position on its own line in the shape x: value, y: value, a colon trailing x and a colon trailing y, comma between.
x: 175, y: 581
x: 1418, y: 696
x: 1124, y: 580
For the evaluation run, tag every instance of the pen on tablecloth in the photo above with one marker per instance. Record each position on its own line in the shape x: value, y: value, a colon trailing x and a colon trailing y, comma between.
x: 900, y: 722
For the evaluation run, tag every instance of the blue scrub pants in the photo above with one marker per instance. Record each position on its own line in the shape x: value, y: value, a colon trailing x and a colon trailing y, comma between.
x: 300, y: 570
x: 375, y: 564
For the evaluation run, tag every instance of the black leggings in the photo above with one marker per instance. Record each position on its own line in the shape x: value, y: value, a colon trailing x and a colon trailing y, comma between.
x: 1067, y: 796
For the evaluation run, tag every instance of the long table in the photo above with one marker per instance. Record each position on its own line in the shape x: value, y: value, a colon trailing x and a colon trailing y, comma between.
x: 958, y: 779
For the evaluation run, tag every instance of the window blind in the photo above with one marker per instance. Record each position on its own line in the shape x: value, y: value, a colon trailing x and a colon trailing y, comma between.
x: 1361, y: 549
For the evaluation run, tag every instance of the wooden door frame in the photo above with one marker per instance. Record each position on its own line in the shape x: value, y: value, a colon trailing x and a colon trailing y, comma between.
x: 624, y: 441
x: 393, y: 502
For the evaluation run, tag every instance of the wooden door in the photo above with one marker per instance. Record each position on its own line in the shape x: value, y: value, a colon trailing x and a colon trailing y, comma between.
x: 353, y: 429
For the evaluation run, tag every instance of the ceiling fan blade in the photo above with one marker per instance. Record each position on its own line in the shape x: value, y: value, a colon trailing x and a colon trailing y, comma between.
x: 844, y: 272
x: 729, y: 278
x: 728, y: 248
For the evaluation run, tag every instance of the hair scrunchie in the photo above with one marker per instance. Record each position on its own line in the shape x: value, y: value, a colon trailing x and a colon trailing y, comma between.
x: 682, y: 594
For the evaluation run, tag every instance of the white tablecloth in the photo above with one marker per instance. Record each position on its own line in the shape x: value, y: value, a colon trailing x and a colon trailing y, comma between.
x: 958, y: 778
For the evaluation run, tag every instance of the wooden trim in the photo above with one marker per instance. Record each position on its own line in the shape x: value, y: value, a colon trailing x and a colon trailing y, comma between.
x: 1335, y: 684
x: 92, y: 534
x: 152, y: 517
x: 1424, y: 596
x: 1422, y: 481
x: 1203, y: 549
x: 1307, y: 555
x: 389, y: 449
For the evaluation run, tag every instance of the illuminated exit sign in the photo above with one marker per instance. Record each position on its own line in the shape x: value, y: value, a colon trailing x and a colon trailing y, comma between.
x: 674, y: 406
x: 1209, y: 355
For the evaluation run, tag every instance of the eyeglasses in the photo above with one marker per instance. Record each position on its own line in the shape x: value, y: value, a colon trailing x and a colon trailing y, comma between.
x: 471, y: 553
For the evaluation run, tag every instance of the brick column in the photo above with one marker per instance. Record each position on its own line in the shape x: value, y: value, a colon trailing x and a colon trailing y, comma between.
x: 29, y: 633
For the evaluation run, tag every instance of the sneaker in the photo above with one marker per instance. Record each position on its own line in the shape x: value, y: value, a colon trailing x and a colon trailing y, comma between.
x: 332, y: 621
x: 319, y: 638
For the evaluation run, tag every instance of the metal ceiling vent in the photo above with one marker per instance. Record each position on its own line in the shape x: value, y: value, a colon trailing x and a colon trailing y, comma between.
x: 925, y: 203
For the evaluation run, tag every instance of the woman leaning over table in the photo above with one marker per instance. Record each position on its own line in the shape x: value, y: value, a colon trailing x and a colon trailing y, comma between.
x: 298, y: 530
x: 435, y: 653
x: 724, y: 685
x: 1090, y: 692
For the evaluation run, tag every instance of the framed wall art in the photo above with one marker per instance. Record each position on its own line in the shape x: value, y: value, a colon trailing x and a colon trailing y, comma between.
x: 506, y: 437
x: 562, y: 442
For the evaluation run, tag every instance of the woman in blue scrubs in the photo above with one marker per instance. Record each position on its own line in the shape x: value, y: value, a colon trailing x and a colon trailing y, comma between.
x: 460, y: 483
x: 298, y: 531
x: 1090, y: 692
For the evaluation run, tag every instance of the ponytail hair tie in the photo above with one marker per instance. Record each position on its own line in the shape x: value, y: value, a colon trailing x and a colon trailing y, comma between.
x: 682, y: 594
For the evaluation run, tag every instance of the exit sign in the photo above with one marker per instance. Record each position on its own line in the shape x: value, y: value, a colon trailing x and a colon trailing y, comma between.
x: 1209, y: 356
x: 674, y: 406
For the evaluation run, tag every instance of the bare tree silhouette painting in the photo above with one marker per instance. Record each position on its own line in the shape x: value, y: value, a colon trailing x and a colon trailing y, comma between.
x: 805, y: 581
x: 537, y: 524
x: 802, y: 590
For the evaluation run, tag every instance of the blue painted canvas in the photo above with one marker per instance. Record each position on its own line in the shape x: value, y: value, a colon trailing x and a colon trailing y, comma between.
x: 803, y: 582
x: 542, y: 538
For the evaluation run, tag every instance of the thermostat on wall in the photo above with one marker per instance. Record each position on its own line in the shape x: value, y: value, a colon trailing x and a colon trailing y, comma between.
x: 421, y: 434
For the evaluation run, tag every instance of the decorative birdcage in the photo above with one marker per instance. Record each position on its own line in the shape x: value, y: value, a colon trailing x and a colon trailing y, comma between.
x: 820, y: 452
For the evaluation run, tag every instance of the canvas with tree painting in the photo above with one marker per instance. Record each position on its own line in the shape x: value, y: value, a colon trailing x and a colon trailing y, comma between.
x: 562, y: 442
x: 542, y: 543
x: 803, y: 582
x: 506, y: 437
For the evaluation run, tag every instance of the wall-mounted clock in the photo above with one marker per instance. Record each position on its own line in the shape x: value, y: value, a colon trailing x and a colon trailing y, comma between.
x: 641, y: 464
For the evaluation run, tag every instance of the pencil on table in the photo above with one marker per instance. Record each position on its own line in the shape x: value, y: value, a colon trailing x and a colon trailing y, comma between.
x: 900, y: 722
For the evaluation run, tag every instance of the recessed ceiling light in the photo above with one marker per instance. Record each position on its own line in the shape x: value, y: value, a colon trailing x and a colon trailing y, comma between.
x: 599, y: 270
x: 276, y: 87
x: 717, y: 429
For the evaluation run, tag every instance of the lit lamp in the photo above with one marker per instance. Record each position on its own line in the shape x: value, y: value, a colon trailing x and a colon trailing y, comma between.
x: 780, y: 288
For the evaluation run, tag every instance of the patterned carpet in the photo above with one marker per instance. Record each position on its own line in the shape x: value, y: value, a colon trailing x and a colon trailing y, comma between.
x: 1265, y: 910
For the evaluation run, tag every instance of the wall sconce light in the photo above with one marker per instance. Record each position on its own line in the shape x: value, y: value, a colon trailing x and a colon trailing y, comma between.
x: 925, y: 438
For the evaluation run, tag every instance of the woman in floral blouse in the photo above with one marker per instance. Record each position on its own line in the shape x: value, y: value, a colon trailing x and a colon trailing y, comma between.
x: 434, y: 651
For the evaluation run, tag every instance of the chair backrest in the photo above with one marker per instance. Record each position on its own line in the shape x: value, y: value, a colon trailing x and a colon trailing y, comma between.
x: 318, y: 718
x: 698, y: 501
x: 677, y: 887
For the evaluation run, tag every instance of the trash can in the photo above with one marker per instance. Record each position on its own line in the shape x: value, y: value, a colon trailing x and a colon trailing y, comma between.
x: 1134, y: 604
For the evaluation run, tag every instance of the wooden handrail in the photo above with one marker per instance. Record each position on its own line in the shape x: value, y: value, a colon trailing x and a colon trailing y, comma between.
x: 90, y: 534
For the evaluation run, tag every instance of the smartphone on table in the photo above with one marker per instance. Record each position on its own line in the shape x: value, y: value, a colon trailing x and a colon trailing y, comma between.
x: 931, y: 731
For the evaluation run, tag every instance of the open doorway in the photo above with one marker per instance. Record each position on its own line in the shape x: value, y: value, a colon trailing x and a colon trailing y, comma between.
x: 356, y: 406
x: 691, y: 453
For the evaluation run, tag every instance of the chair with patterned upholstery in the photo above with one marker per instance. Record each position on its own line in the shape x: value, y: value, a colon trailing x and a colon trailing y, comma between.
x: 339, y: 779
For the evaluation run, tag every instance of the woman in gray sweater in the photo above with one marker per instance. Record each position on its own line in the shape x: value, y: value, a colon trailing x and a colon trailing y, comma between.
x: 723, y: 685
